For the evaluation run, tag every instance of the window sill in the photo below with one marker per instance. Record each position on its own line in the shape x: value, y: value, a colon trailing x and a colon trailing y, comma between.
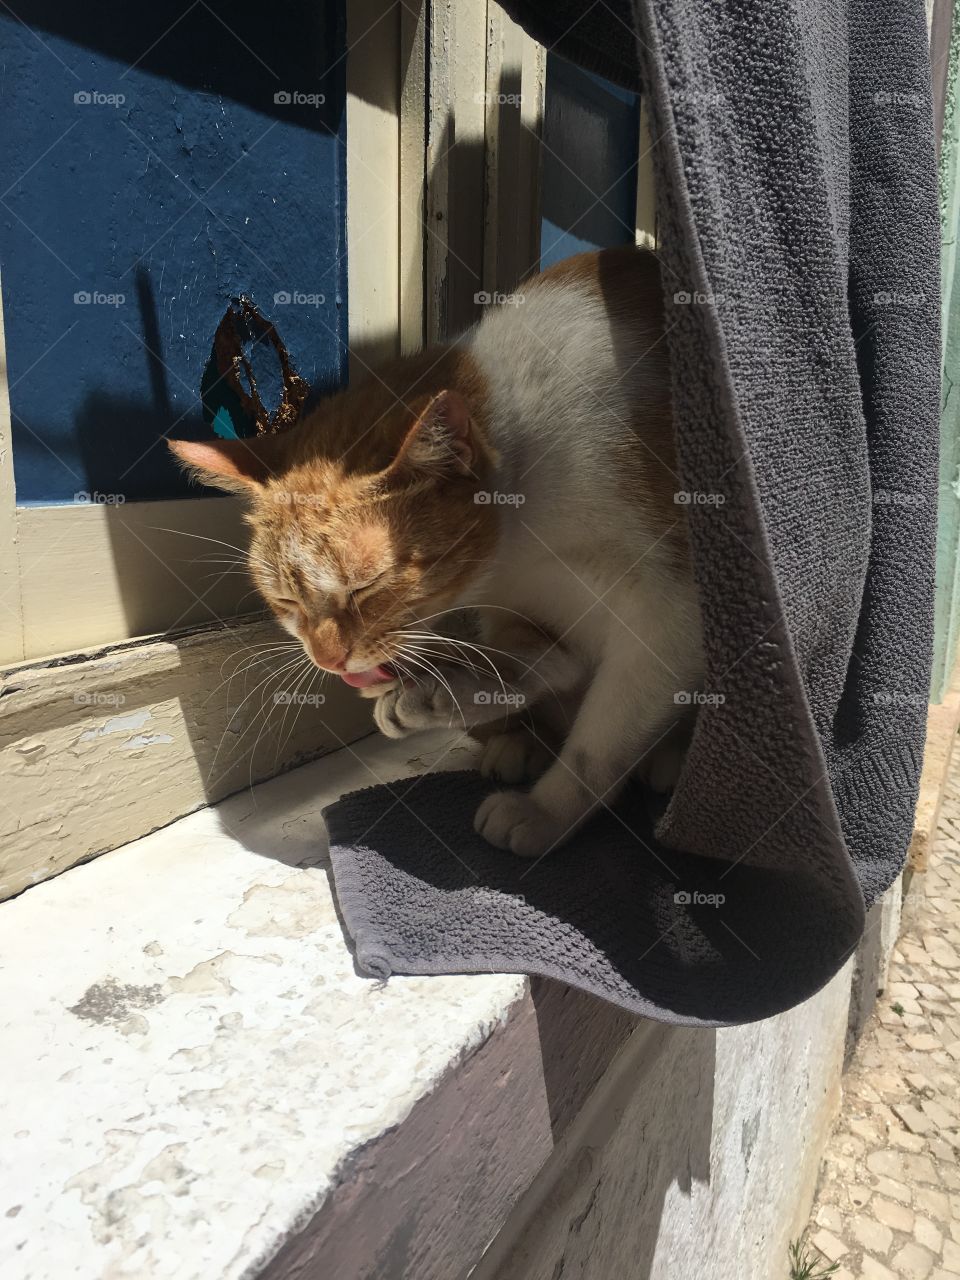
x: 190, y: 1055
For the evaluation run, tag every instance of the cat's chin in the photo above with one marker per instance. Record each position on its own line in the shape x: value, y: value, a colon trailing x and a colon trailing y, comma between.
x: 377, y: 690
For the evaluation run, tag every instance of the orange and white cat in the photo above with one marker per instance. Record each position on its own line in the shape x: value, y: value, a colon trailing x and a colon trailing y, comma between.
x: 523, y: 474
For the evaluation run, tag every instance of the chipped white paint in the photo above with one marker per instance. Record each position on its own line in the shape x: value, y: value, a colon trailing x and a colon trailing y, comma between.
x: 117, y: 724
x: 149, y: 739
x: 178, y: 1086
x: 159, y: 727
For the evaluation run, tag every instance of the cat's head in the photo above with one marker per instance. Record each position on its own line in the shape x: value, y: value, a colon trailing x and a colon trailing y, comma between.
x: 358, y: 535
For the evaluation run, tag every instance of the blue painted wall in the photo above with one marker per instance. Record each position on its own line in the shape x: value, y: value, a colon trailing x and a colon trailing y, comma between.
x: 589, y: 184
x: 152, y: 165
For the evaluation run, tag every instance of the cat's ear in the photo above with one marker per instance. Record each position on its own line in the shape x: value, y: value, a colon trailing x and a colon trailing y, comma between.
x: 442, y: 441
x: 239, y: 466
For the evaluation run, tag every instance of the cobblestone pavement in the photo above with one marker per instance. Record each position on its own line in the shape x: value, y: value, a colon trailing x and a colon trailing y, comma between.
x: 888, y: 1201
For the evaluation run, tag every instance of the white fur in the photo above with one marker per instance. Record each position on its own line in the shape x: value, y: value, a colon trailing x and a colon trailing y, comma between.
x: 577, y: 555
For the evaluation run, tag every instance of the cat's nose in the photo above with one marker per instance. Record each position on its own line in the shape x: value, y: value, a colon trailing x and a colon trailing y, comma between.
x: 330, y: 657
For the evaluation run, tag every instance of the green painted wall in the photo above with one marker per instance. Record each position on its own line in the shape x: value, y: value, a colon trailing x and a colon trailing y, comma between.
x: 947, y: 609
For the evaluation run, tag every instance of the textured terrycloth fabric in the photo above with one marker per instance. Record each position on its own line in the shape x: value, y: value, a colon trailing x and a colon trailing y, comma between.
x: 799, y: 239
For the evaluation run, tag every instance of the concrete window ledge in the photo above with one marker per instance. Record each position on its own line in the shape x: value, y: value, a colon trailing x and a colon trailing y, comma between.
x: 195, y: 1082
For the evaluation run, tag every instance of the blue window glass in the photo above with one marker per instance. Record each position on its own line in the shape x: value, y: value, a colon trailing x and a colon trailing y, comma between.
x: 158, y: 161
x: 589, y: 182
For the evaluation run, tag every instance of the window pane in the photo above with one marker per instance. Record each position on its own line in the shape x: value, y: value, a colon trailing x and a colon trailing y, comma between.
x: 159, y: 160
x: 591, y: 142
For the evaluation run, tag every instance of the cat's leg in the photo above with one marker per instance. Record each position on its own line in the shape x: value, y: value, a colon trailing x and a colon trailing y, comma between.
x: 629, y: 703
x: 515, y: 752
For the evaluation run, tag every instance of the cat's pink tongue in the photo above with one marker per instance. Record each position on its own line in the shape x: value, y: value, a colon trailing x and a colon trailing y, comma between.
x: 364, y: 679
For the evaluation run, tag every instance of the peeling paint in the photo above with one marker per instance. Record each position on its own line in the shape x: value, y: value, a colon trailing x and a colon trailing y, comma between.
x: 206, y: 978
x: 63, y: 754
x: 117, y: 724
x: 110, y: 1001
x: 289, y: 910
x: 148, y: 740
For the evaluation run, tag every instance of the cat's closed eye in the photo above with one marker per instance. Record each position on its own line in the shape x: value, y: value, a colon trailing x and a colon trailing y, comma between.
x: 366, y: 586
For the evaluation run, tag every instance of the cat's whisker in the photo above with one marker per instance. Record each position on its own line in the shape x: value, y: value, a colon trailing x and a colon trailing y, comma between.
x: 433, y: 635
x: 461, y: 645
x: 466, y: 645
x: 460, y: 608
x: 290, y: 701
x: 259, y: 660
x: 287, y: 667
x: 262, y: 715
x: 237, y: 562
x: 455, y: 660
x: 405, y: 672
x: 438, y: 676
x: 317, y: 671
x: 247, y: 650
x: 240, y: 551
x: 267, y: 705
x: 251, y: 660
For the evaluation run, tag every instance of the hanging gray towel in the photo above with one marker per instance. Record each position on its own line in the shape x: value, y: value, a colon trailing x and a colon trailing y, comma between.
x: 797, y: 207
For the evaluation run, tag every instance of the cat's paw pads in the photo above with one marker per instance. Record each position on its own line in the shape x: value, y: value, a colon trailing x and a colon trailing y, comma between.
x: 408, y: 708
x: 513, y: 757
x: 513, y: 821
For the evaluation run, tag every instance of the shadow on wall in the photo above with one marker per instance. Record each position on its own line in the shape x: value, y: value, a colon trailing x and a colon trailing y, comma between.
x: 603, y: 1192
x: 207, y: 57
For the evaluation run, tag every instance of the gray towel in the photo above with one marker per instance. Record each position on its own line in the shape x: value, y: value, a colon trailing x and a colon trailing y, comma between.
x: 797, y: 207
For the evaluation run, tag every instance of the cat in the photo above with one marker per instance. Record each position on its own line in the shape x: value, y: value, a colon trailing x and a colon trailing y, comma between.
x: 522, y: 476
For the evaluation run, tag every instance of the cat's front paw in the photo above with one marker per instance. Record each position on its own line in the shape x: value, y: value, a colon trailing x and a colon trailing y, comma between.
x: 512, y: 820
x: 409, y: 707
